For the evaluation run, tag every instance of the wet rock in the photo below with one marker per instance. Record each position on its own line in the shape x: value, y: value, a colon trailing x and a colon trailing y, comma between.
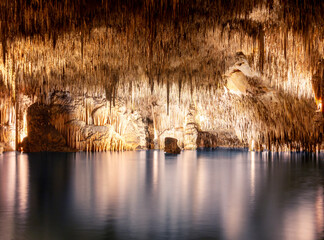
x: 206, y: 140
x: 228, y: 139
x: 42, y: 136
x: 194, y: 137
x: 176, y: 133
x: 171, y: 146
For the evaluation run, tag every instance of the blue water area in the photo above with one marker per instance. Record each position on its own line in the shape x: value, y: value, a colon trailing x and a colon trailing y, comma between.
x: 219, y: 194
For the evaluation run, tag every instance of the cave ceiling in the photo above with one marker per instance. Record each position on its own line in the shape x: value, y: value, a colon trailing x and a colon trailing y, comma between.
x: 100, y: 45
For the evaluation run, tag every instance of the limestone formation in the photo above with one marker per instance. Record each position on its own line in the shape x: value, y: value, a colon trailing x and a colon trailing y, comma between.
x: 171, y: 146
x: 117, y: 75
x: 191, y: 129
x: 255, y: 116
x: 42, y: 136
x: 206, y: 140
x: 82, y: 123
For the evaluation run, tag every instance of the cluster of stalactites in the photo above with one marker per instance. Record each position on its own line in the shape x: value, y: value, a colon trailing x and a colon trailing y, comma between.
x: 7, y: 122
x: 153, y: 32
x: 35, y: 69
x: 76, y: 139
x: 79, y: 126
x: 177, y: 47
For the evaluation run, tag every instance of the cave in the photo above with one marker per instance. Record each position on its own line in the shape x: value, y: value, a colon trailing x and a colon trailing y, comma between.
x: 123, y: 75
x: 184, y: 76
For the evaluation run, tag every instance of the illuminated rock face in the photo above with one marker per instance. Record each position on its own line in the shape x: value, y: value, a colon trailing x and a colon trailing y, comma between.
x: 42, y: 136
x: 245, y: 113
x: 7, y: 126
x: 69, y: 123
x: 82, y: 123
x: 118, y: 75
x: 191, y: 130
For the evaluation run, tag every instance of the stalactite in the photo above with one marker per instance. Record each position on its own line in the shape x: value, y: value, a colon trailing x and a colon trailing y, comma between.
x: 168, y: 96
x: 82, y: 44
x: 180, y: 86
x: 191, y: 84
x: 285, y: 43
x: 4, y: 50
x: 190, y: 41
x: 261, y: 49
x: 151, y: 84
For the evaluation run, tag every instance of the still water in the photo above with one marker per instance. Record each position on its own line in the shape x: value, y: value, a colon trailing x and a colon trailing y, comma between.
x: 219, y: 194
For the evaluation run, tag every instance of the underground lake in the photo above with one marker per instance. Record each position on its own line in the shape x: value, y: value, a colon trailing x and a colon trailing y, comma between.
x: 203, y: 194
x: 161, y: 119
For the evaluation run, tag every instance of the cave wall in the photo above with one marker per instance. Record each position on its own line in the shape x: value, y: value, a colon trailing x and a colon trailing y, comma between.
x: 117, y: 75
x: 246, y: 112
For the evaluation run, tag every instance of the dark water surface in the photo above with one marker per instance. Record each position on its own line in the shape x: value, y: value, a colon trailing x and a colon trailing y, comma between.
x: 146, y: 195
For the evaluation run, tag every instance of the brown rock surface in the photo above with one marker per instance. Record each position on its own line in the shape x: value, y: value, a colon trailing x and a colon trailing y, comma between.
x: 206, y: 140
x: 42, y: 136
x: 171, y: 146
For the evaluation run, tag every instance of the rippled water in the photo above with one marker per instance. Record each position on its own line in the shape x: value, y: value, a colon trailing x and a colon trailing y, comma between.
x: 146, y: 195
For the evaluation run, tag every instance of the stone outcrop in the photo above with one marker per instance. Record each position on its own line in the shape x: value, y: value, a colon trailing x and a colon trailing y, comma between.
x: 228, y: 139
x: 82, y: 123
x: 42, y: 136
x: 176, y: 133
x: 171, y: 146
x: 206, y: 140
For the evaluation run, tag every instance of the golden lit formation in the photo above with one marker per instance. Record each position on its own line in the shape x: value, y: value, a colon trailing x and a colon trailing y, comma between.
x: 119, y: 75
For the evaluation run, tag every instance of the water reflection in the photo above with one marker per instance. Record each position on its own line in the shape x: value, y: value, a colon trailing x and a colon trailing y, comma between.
x: 148, y: 195
x: 13, y: 194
